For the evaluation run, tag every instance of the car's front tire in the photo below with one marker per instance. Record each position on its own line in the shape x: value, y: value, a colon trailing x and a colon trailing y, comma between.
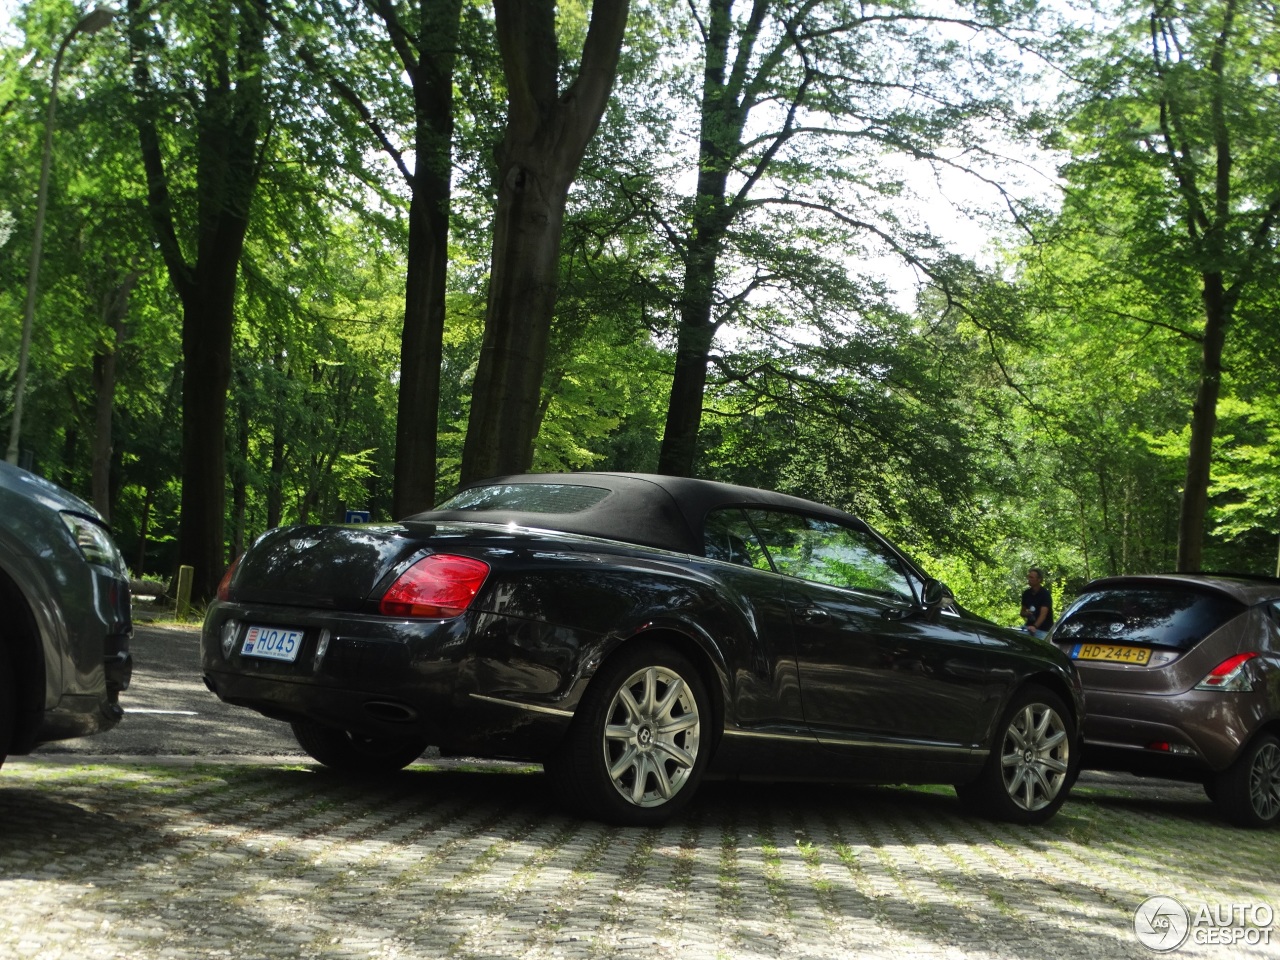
x: 1033, y: 762
x: 1248, y: 791
x: 640, y: 741
x: 354, y: 753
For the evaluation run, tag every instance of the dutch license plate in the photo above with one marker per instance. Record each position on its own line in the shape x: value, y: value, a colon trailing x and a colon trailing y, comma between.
x: 272, y: 643
x: 1111, y: 653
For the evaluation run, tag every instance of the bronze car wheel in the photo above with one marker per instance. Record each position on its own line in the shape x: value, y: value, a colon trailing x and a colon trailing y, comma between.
x: 1248, y: 791
x: 640, y: 741
x: 1032, y: 764
x: 353, y: 753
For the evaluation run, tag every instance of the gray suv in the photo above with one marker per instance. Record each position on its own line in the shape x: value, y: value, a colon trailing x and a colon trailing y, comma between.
x: 64, y: 636
x: 1181, y: 676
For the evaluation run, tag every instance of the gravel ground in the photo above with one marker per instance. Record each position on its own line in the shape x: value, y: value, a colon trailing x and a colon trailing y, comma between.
x: 174, y: 837
x: 263, y: 858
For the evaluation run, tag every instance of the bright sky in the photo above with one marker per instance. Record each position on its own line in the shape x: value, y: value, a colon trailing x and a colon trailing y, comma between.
x: 6, y: 15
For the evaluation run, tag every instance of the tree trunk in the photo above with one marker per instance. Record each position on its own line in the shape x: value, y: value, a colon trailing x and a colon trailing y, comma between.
x: 275, y: 485
x: 144, y: 531
x: 684, y: 410
x: 206, y: 350
x: 720, y: 133
x: 104, y: 390
x: 1204, y: 421
x: 546, y: 136
x: 228, y: 119
x: 279, y: 447
x: 522, y: 296
x: 421, y: 344
x: 421, y: 348
x: 239, y: 482
x: 104, y: 393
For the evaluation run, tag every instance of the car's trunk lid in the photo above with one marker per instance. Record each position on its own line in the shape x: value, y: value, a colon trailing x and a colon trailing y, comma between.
x: 325, y: 567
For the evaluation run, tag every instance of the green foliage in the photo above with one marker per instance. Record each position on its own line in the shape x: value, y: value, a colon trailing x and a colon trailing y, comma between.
x: 1168, y: 225
x: 1035, y: 414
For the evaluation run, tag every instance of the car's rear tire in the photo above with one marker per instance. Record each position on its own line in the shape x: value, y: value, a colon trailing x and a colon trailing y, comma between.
x: 640, y: 741
x: 1033, y: 761
x: 354, y: 753
x: 1248, y: 791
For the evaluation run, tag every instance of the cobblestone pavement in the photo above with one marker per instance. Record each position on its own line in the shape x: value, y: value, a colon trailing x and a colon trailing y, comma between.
x: 264, y: 858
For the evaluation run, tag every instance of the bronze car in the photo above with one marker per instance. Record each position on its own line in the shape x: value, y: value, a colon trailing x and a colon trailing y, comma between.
x: 634, y: 633
x: 1182, y: 680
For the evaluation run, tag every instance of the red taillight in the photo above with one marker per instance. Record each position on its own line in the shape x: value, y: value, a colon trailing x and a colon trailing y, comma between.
x: 1177, y: 749
x: 224, y: 585
x: 438, y: 586
x: 1228, y: 675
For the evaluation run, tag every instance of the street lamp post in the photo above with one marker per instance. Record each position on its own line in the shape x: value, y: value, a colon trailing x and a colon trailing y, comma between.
x: 91, y: 22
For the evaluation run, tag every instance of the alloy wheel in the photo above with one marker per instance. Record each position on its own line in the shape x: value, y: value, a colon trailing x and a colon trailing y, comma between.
x: 1035, y: 756
x: 651, y: 736
x: 1264, y: 782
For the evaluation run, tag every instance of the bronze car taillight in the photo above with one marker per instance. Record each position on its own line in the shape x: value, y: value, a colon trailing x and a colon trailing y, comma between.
x: 1230, y: 674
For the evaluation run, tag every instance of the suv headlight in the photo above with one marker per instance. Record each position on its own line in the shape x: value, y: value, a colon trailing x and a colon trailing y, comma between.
x: 94, y: 542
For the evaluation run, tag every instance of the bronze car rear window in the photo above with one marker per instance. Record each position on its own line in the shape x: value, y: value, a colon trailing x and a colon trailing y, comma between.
x: 1166, y: 616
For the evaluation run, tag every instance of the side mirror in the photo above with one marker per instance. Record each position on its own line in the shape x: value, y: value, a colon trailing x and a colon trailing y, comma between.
x: 932, y: 595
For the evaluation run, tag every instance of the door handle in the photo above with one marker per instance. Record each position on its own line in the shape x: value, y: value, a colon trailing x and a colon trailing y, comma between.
x: 811, y: 614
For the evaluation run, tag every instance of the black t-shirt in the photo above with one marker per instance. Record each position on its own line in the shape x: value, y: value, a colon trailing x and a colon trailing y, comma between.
x: 1035, y: 599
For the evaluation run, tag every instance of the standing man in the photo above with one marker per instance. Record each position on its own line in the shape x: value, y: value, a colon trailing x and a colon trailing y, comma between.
x: 1037, y: 604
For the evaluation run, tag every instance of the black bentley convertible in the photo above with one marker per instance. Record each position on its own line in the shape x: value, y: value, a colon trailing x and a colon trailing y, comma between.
x: 634, y: 634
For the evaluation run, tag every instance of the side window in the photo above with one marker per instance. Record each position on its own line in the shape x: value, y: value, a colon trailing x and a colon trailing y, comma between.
x: 727, y: 535
x: 827, y: 552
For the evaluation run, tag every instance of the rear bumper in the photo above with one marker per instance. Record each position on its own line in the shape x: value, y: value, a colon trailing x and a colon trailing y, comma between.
x: 462, y: 685
x: 1190, y: 735
x: 75, y: 716
x: 471, y: 724
x: 367, y: 712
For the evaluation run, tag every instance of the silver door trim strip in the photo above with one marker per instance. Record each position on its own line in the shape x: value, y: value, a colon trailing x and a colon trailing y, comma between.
x: 530, y: 707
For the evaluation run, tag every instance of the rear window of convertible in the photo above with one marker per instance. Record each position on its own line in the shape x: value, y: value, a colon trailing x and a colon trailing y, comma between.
x: 527, y: 498
x: 1166, y: 616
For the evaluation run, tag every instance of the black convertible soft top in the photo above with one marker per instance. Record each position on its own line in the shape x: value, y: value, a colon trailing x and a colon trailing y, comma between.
x: 646, y: 509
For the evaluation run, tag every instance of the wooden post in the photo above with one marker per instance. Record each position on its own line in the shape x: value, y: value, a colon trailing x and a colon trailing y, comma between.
x: 185, y: 575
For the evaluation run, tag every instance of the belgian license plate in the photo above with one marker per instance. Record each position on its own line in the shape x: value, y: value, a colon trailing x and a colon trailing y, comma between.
x: 272, y: 643
x: 1112, y: 653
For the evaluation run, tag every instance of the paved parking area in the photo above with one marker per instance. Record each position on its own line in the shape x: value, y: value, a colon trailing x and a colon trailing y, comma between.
x: 264, y: 858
